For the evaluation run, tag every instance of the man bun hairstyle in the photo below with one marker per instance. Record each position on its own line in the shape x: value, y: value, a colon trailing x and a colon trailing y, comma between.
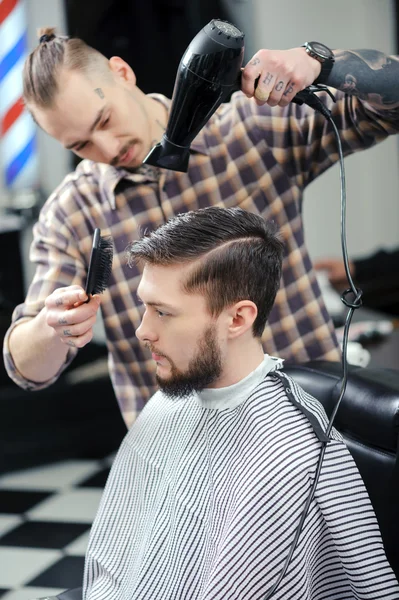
x: 46, y: 34
x: 53, y: 53
x: 236, y: 256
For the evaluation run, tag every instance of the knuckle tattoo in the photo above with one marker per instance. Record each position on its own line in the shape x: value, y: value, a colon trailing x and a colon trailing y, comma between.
x: 289, y: 90
x: 268, y: 78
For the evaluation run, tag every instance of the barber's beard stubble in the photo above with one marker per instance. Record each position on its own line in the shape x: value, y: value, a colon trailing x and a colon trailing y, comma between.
x: 204, y: 368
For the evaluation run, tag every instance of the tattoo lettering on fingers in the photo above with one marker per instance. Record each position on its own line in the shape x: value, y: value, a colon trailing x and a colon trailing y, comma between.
x: 62, y: 321
x: 67, y: 332
x: 70, y: 343
x: 255, y: 61
x: 58, y: 302
x: 100, y: 93
x: 279, y: 86
x: 268, y: 78
x: 289, y: 90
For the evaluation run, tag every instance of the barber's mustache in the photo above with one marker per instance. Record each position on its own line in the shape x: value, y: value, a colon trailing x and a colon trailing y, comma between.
x: 115, y: 161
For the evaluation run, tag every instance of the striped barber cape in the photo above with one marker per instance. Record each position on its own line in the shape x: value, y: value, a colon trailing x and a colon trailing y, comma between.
x: 203, y: 501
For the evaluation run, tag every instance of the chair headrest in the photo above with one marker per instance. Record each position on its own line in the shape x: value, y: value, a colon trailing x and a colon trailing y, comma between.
x: 370, y: 407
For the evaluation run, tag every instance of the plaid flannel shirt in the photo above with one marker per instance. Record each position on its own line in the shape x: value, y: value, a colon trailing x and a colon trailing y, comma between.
x: 258, y: 158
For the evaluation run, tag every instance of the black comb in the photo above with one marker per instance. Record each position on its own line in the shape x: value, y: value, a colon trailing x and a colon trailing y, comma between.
x: 100, y: 266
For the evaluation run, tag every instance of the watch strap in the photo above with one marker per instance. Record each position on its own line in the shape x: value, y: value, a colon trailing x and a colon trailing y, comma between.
x: 325, y: 71
x: 326, y: 64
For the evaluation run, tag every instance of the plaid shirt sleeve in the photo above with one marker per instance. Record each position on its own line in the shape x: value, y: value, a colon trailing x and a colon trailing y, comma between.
x: 58, y: 264
x: 303, y: 141
x: 359, y: 125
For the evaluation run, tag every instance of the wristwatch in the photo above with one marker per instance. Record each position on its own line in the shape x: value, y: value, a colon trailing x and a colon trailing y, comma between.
x: 325, y: 57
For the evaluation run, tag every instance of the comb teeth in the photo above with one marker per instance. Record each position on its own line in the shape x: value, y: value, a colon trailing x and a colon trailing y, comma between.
x: 104, y: 265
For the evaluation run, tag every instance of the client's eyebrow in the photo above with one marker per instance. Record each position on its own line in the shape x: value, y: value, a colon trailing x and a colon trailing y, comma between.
x: 156, y: 304
x: 92, y: 128
x: 161, y: 305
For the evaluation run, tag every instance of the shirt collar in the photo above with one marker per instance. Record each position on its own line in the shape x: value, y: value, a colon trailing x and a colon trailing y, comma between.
x: 198, y: 144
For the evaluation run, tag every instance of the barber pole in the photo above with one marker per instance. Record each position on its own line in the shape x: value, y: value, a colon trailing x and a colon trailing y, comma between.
x: 18, y: 154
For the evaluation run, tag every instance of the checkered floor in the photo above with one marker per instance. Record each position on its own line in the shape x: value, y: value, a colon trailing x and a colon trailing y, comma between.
x: 45, y: 518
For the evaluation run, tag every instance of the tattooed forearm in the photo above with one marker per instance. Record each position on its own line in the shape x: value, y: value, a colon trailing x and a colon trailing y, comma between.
x: 369, y: 74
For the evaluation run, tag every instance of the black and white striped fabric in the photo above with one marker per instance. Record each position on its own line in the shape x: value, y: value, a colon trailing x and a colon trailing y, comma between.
x: 203, y: 504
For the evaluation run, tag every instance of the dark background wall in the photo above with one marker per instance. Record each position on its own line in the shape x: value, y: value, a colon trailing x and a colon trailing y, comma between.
x: 151, y: 35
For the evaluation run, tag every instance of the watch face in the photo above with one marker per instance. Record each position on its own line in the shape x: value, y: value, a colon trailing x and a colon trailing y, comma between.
x: 321, y: 49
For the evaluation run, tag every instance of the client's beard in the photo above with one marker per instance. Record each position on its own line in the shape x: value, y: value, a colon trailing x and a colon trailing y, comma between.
x: 204, y: 368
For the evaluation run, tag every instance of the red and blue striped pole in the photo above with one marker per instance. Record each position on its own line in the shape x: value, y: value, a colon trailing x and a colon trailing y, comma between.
x: 18, y: 153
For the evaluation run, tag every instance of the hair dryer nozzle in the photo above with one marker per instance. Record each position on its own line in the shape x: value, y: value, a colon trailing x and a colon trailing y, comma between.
x: 168, y: 155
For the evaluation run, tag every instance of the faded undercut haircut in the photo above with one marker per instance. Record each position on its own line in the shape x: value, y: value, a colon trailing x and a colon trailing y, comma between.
x: 55, y: 52
x: 238, y: 257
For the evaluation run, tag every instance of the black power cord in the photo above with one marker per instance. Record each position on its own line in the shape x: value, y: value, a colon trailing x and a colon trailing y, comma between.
x: 308, y: 96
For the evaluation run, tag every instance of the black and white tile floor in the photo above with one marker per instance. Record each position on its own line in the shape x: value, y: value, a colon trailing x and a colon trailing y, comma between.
x: 45, y: 519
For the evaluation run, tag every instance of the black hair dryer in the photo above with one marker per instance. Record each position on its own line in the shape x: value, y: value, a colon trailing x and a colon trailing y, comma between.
x: 208, y: 72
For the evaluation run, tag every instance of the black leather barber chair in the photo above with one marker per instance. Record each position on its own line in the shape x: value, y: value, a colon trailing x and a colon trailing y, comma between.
x: 368, y: 419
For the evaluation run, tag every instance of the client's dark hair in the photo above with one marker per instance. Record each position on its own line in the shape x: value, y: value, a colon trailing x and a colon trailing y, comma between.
x: 238, y: 256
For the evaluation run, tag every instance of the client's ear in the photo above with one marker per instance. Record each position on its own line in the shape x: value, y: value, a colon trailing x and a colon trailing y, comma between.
x: 241, y: 317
